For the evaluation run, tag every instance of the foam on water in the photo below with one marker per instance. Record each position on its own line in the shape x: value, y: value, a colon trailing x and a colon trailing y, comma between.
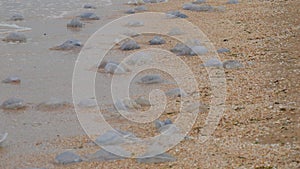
x: 7, y: 28
x: 46, y: 8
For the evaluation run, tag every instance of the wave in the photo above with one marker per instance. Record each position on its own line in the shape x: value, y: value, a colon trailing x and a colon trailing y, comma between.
x: 7, y: 28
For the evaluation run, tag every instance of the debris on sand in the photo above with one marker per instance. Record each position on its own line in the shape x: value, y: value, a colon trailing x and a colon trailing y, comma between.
x: 232, y: 64
x: 232, y: 2
x: 17, y: 17
x: 103, y: 155
x: 176, y: 14
x: 68, y: 45
x: 12, y: 80
x: 157, y: 40
x: 137, y: 9
x: 213, y: 62
x: 142, y: 101
x: 88, y: 103
x: 181, y: 49
x: 139, y: 59
x: 89, y: 16
x: 15, y: 37
x: 199, y: 8
x: 130, y: 45
x: 151, y: 79
x: 75, y: 23
x: 13, y: 104
x: 53, y: 104
x: 114, y: 137
x: 158, y: 124
x: 89, y: 6
x: 3, y: 138
x: 135, y: 23
x: 175, y: 31
x: 199, y: 1
x: 177, y: 92
x: 223, y: 50
x: 114, y: 68
x: 67, y: 157
x: 161, y: 158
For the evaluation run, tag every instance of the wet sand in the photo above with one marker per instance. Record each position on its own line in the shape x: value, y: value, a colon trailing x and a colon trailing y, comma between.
x: 260, y: 127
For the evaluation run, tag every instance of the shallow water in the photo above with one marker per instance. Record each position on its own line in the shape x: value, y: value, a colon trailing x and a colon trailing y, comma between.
x: 44, y: 73
x: 45, y: 9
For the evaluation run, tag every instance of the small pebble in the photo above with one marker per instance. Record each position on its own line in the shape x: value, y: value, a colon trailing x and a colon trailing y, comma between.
x: 282, y: 108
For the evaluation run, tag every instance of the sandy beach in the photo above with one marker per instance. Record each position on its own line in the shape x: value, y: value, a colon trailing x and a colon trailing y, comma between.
x: 260, y: 125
